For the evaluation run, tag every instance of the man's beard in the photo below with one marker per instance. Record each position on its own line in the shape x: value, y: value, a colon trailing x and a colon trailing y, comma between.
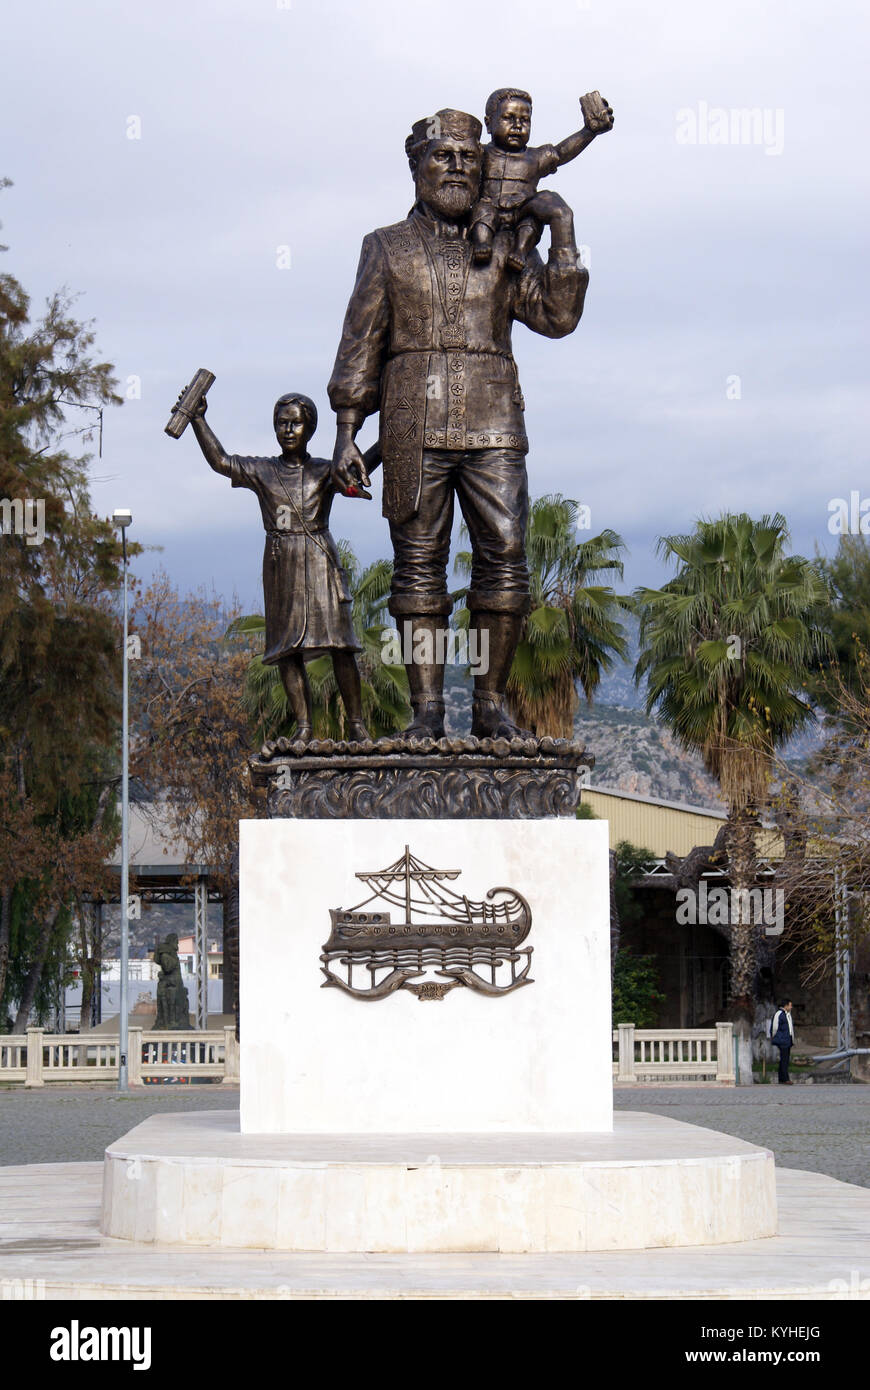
x: 450, y: 200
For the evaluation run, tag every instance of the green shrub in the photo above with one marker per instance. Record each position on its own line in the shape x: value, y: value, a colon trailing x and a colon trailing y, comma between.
x: 636, y: 995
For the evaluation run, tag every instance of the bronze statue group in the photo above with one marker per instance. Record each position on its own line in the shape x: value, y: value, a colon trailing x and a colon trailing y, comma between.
x: 426, y: 344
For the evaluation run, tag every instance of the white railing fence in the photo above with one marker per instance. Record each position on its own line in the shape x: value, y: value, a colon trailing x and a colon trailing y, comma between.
x: 669, y: 1054
x: 37, y: 1057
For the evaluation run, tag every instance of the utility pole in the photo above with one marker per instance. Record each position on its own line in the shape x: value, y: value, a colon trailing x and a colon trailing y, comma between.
x: 123, y: 518
x: 842, y: 961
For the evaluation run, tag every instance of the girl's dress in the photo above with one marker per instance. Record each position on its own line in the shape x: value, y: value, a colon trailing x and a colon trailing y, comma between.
x: 305, y: 588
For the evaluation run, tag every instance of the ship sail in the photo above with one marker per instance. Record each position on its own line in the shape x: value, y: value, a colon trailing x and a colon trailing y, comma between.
x: 438, y: 926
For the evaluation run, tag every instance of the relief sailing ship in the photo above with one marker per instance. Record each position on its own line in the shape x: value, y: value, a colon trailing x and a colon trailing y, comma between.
x: 476, y: 944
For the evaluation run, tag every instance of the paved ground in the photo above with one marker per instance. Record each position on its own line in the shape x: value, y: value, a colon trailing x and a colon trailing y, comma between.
x: 74, y: 1124
x: 51, y: 1247
x: 825, y: 1129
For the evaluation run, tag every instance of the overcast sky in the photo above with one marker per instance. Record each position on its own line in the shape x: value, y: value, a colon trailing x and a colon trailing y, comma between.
x: 269, y: 125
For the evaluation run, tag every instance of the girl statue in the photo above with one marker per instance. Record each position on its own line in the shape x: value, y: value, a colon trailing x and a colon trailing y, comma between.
x: 305, y: 589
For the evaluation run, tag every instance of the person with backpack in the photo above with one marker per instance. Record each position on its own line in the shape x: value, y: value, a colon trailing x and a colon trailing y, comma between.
x: 782, y: 1036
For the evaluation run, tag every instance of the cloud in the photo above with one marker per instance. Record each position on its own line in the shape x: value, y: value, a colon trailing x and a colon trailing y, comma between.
x: 264, y: 126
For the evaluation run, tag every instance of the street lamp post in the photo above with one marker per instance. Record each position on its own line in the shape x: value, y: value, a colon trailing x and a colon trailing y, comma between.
x: 123, y: 518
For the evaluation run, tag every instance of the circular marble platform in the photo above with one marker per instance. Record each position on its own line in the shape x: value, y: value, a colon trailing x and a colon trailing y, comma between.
x: 194, y: 1180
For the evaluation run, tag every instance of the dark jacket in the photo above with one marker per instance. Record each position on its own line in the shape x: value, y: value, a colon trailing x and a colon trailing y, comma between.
x: 781, y: 1034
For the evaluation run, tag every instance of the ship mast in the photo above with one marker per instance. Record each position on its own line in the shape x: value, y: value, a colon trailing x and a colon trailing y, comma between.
x: 410, y: 870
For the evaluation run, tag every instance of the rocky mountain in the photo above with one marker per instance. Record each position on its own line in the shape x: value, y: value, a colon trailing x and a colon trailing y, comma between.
x: 633, y: 751
x: 636, y: 754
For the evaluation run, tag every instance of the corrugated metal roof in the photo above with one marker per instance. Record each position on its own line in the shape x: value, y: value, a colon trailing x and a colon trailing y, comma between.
x: 720, y: 814
x: 665, y: 827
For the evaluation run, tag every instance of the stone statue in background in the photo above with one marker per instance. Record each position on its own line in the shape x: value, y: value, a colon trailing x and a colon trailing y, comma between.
x: 173, y: 1006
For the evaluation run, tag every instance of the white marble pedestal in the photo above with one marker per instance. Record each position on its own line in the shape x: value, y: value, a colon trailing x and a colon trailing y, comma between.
x: 194, y: 1179
x: 455, y: 1125
x: 315, y: 1060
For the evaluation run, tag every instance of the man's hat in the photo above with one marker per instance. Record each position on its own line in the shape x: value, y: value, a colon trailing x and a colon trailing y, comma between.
x: 444, y: 125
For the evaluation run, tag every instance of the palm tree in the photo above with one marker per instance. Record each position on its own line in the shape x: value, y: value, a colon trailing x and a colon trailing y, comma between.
x: 572, y: 633
x: 384, y: 686
x: 727, y: 648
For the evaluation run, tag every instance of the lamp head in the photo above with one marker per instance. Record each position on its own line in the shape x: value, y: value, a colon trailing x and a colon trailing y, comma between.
x: 122, y: 517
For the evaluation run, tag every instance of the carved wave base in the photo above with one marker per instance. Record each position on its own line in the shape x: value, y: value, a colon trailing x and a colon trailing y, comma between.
x: 194, y: 1180
x: 459, y: 778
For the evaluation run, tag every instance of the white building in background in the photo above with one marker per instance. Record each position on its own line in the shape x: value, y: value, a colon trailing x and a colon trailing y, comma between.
x: 187, y: 956
x: 137, y: 970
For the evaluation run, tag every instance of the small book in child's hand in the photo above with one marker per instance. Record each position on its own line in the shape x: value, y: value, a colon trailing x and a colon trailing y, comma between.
x: 593, y: 108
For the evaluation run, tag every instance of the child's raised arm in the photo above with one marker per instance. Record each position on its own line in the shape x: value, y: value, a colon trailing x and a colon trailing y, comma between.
x: 213, y: 451
x: 598, y: 118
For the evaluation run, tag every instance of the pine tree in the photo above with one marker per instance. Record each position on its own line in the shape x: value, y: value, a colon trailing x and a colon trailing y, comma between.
x: 59, y: 634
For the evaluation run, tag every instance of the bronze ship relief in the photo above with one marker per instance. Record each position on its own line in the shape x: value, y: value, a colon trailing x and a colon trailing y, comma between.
x: 475, y: 944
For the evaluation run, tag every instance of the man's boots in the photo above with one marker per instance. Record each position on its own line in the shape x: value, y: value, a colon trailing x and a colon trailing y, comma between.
x: 498, y: 636
x: 419, y: 634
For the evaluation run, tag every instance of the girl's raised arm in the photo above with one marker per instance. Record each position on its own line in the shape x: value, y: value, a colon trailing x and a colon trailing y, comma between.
x: 213, y: 451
